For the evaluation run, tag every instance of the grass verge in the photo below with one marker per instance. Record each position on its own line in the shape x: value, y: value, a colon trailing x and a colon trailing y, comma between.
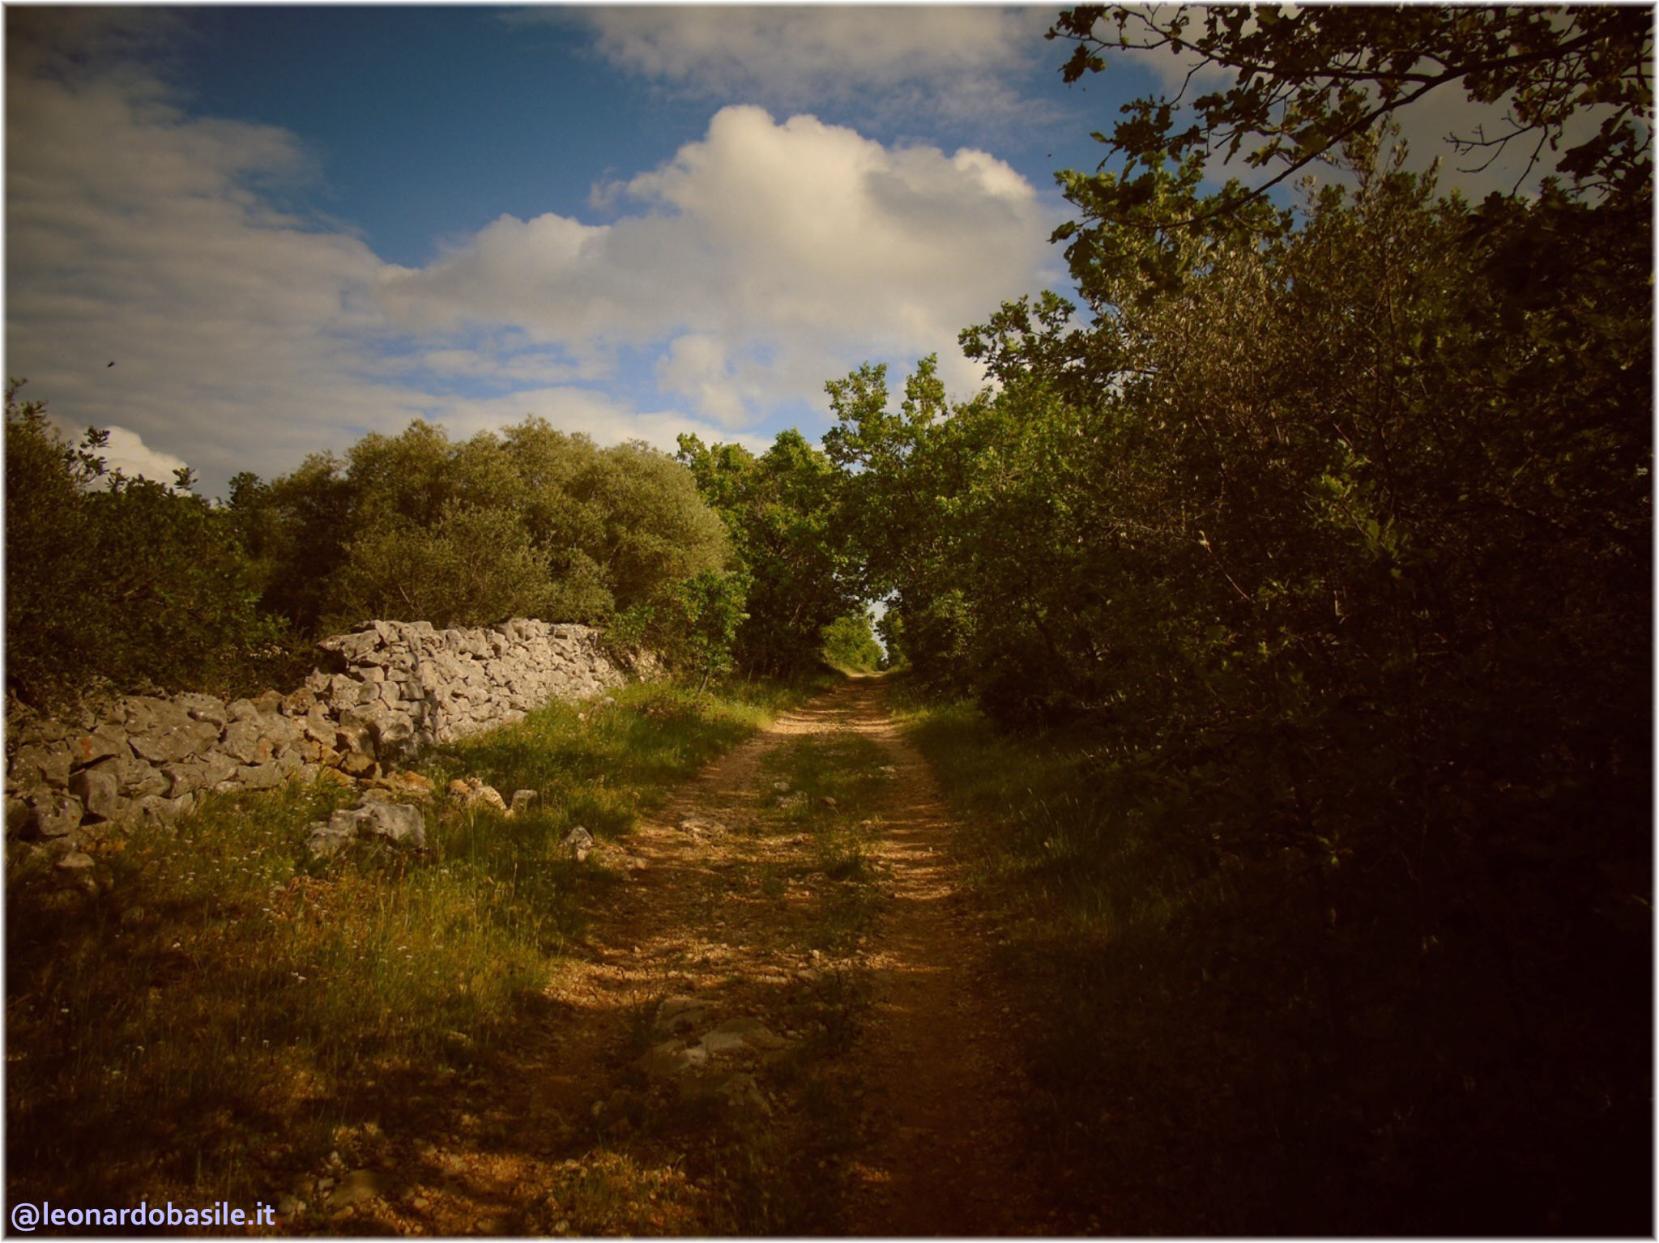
x: 1266, y: 1041
x: 204, y: 1022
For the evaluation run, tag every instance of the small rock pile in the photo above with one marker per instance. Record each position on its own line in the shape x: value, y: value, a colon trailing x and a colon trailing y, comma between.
x: 399, y: 824
x: 380, y: 820
x: 704, y: 1060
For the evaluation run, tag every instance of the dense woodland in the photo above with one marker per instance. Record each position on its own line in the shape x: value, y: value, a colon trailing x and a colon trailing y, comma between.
x: 1319, y: 534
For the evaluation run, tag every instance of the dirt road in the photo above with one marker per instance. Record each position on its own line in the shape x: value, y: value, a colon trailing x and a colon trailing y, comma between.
x: 780, y: 1022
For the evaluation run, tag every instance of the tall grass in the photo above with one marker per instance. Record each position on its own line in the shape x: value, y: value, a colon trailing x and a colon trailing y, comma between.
x: 205, y: 1021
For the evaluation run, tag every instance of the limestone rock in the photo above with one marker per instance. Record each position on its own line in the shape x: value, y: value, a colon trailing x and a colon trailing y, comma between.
x: 672, y: 1058
x: 319, y: 726
x: 171, y: 743
x: 402, y: 824
x: 246, y: 742
x: 522, y: 800
x: 354, y: 1188
x: 390, y: 690
x: 350, y: 647
x: 411, y: 783
x: 40, y: 764
x: 137, y: 778
x: 193, y: 775
x: 742, y: 1098
x: 146, y: 714
x: 99, y: 790
x: 681, y: 1014
x: 259, y: 776
x: 738, y: 1036
x: 282, y: 731
x: 53, y: 815
x: 578, y: 844
x: 327, y: 838
x: 98, y: 744
x: 204, y: 708
x: 471, y: 793
x: 358, y: 730
x: 358, y: 764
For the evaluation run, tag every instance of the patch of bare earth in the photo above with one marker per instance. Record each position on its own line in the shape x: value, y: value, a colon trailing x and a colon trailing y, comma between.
x: 701, y: 1067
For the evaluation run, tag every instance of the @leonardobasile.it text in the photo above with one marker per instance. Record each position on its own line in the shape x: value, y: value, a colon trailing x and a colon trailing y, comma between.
x: 27, y: 1216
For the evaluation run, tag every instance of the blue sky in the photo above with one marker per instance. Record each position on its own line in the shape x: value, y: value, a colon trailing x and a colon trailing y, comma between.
x: 289, y: 226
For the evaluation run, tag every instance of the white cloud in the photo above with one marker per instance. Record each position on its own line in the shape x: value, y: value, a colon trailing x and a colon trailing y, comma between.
x: 126, y: 452
x: 697, y: 366
x: 579, y: 410
x: 133, y: 238
x: 935, y: 61
x: 770, y: 254
x: 762, y: 260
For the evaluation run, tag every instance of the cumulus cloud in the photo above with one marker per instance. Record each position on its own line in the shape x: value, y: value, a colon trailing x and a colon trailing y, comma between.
x: 936, y: 61
x: 126, y: 452
x: 761, y: 260
x: 580, y: 410
x: 763, y: 253
x: 133, y: 237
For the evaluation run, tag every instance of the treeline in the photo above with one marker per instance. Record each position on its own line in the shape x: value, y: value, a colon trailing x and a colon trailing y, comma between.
x: 128, y: 583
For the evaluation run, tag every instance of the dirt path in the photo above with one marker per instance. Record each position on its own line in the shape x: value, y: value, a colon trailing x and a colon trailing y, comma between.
x: 932, y: 1050
x: 779, y: 1023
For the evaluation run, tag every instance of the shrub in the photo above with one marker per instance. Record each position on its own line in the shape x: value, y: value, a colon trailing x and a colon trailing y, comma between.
x: 119, y: 581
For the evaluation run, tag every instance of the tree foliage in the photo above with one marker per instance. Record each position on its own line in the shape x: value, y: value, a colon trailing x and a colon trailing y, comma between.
x: 529, y: 521
x: 119, y: 581
x: 850, y: 643
x: 784, y: 514
x: 1307, y: 80
x: 134, y: 584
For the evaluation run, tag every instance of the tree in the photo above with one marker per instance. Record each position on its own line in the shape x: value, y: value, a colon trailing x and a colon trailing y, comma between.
x: 530, y: 520
x: 849, y: 643
x: 783, y: 510
x: 1307, y: 80
x: 473, y: 566
x: 124, y: 582
x: 1328, y: 538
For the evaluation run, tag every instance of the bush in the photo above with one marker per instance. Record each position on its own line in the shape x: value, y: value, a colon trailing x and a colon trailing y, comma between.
x: 472, y: 567
x: 122, y: 582
x: 850, y: 644
x: 529, y: 521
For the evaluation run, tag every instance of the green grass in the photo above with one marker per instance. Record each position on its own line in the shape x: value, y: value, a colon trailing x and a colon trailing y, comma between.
x: 834, y: 786
x: 209, y: 1018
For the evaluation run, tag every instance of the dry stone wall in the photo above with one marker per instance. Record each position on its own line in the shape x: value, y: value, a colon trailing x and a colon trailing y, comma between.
x: 386, y: 692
